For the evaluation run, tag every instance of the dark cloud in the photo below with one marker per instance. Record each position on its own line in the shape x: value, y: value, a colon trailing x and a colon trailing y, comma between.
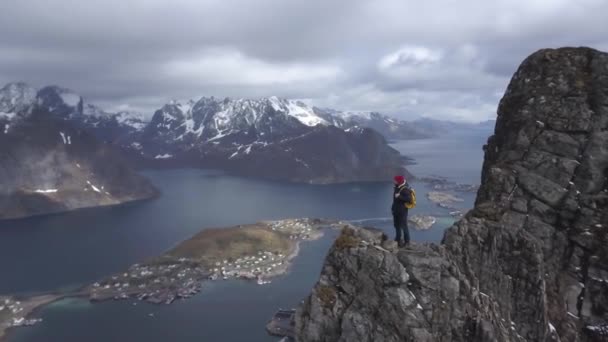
x: 441, y: 58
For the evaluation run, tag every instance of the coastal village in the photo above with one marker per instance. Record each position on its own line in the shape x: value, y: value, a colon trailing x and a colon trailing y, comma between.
x: 181, y: 272
x: 12, y: 313
x: 15, y: 312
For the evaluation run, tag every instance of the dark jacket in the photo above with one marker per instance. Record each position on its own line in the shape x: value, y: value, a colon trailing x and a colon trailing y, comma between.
x: 405, y: 196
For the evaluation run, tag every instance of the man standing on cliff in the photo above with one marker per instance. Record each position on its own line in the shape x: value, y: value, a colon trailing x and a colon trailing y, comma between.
x: 401, y: 196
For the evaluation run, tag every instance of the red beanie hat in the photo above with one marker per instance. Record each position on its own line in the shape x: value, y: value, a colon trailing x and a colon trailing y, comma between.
x: 399, y: 179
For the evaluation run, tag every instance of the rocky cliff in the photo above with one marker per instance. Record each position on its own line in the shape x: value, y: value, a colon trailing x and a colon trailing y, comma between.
x: 47, y: 165
x: 528, y: 263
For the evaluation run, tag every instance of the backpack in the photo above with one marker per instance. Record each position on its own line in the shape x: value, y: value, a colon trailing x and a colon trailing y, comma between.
x: 411, y: 204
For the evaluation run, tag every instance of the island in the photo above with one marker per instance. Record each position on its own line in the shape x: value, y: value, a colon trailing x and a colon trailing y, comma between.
x: 443, y: 199
x: 255, y: 252
x: 422, y: 222
x: 439, y: 183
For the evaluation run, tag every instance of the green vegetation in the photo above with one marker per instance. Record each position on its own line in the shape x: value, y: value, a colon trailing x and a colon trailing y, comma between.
x: 327, y: 296
x: 347, y: 239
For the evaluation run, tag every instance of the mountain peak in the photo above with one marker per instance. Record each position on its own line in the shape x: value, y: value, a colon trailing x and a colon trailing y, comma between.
x: 16, y: 96
x: 61, y: 101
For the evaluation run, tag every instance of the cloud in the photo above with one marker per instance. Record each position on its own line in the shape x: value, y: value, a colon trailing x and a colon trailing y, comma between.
x: 226, y: 67
x: 440, y: 58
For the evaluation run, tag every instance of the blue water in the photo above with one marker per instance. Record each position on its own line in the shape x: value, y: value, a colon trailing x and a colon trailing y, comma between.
x: 64, y: 251
x: 456, y: 156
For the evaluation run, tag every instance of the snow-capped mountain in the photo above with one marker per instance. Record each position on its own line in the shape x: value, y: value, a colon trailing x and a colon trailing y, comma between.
x: 266, y: 119
x: 269, y: 137
x: 49, y: 164
x: 390, y: 128
x: 62, y: 103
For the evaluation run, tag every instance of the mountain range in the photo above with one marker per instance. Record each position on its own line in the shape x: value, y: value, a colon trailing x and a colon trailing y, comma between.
x: 268, y: 138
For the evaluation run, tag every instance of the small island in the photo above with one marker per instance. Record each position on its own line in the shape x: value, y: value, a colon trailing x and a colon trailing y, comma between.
x: 444, y: 199
x: 255, y: 252
x: 422, y: 222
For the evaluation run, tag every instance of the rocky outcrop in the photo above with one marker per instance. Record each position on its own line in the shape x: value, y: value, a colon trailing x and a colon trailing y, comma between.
x: 528, y: 263
x: 47, y: 165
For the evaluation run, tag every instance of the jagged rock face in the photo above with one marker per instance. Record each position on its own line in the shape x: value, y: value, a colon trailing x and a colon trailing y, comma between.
x: 47, y: 165
x: 529, y: 262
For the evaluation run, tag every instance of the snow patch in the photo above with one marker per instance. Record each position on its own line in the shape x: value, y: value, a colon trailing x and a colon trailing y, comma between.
x: 7, y: 116
x: 601, y: 329
x: 572, y: 315
x: 6, y: 127
x: 304, y: 114
x: 69, y: 140
x: 348, y: 115
x: 46, y: 191
x: 65, y: 141
x: 70, y: 99
x: 135, y: 120
x: 93, y: 187
x: 552, y: 328
x: 163, y: 156
x: 303, y: 163
x: 275, y: 103
x: 248, y: 150
x: 78, y: 165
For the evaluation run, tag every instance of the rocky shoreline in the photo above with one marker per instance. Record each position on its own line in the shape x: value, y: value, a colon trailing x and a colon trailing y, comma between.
x: 16, y: 312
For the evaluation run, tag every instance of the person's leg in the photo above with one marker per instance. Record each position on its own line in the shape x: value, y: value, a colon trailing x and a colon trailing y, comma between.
x: 397, y: 223
x: 406, y: 231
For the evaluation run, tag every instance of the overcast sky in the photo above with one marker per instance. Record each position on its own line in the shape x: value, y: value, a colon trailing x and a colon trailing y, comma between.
x: 448, y: 59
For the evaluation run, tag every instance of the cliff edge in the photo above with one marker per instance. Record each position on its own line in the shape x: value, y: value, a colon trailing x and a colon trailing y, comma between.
x: 528, y: 263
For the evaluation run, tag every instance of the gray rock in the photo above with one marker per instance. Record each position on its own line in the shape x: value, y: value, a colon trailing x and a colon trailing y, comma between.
x: 528, y: 263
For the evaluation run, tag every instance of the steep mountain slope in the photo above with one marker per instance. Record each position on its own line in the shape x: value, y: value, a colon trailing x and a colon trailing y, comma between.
x: 268, y: 138
x: 48, y: 165
x: 528, y: 263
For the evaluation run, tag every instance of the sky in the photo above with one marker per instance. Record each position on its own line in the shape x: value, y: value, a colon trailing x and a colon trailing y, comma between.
x: 444, y: 59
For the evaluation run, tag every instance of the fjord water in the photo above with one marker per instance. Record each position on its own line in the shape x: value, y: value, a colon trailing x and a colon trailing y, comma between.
x: 63, y: 252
